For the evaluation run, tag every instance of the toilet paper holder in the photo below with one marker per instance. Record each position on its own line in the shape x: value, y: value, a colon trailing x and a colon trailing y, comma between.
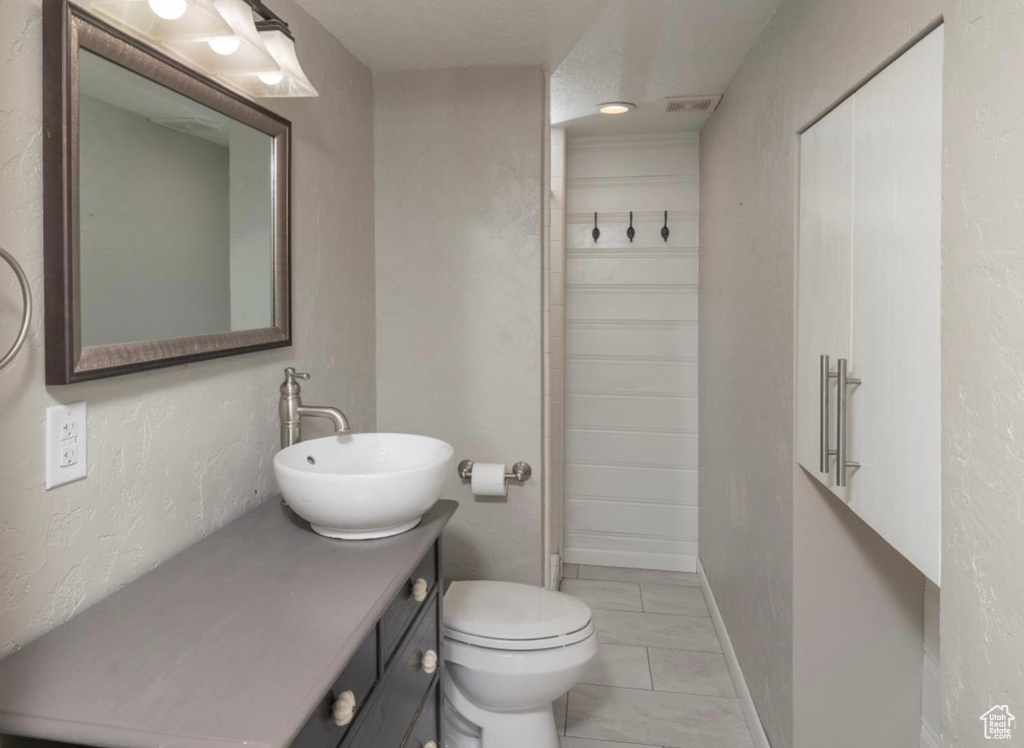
x: 521, y: 471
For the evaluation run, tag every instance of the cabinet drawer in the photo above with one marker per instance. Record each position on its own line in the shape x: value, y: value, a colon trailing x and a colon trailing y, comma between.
x: 405, y: 606
x: 427, y: 727
x: 320, y: 730
x: 400, y: 694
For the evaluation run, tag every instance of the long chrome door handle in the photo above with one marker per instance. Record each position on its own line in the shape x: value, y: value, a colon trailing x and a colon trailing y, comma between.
x: 842, y: 463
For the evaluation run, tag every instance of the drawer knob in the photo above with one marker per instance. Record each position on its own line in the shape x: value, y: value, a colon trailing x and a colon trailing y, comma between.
x: 344, y: 708
x: 429, y: 662
x: 419, y: 590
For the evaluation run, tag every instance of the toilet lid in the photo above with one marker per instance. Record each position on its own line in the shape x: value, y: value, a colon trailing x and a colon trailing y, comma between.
x: 512, y: 612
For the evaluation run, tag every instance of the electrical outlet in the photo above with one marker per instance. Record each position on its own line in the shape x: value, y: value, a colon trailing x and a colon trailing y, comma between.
x: 68, y: 455
x: 65, y: 444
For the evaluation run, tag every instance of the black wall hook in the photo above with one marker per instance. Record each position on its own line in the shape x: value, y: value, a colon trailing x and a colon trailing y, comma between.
x: 664, y: 229
x: 630, y: 232
x: 596, y: 233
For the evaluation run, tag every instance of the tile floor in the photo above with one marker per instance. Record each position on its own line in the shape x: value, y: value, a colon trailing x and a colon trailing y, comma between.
x: 659, y: 679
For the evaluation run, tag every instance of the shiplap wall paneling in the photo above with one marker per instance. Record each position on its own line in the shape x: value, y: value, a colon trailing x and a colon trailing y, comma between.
x: 645, y: 414
x: 631, y: 352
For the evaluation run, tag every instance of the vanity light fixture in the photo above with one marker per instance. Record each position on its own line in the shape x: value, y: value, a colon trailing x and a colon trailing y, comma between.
x: 615, y: 107
x: 169, y: 10
x: 240, y: 50
x: 290, y: 81
x: 242, y: 42
x: 225, y: 45
x: 163, y: 21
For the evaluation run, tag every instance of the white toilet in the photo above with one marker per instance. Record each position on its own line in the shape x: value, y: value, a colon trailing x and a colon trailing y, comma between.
x: 510, y: 650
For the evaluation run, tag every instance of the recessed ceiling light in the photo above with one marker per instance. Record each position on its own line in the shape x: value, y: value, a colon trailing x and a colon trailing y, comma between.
x: 615, y: 107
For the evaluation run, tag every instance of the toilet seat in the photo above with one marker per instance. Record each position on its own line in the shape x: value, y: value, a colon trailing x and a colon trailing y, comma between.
x: 514, y: 617
x: 520, y: 645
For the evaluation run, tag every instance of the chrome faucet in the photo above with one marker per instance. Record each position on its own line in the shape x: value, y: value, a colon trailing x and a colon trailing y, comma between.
x: 292, y: 410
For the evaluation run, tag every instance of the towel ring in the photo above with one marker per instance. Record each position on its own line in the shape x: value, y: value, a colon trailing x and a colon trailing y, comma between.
x: 26, y: 298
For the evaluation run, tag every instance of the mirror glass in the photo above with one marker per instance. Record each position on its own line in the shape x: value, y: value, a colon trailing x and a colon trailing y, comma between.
x: 176, y: 207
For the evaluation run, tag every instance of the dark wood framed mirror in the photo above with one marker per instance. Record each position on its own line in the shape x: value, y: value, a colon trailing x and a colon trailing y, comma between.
x: 166, y: 200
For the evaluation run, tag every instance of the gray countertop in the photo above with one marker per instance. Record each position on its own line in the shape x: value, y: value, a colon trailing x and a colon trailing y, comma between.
x: 234, y: 641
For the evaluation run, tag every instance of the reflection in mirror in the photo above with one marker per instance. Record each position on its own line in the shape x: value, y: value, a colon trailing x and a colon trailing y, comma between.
x: 176, y: 213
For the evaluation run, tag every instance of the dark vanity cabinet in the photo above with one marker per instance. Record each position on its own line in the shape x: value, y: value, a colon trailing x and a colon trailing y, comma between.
x: 389, y: 695
x: 262, y: 634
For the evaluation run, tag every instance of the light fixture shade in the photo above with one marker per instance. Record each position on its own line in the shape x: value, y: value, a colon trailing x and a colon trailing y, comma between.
x: 201, y: 19
x: 293, y: 81
x: 616, y: 107
x: 250, y: 56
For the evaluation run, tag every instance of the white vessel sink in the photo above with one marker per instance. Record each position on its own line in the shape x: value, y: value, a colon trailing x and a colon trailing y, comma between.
x: 362, y: 486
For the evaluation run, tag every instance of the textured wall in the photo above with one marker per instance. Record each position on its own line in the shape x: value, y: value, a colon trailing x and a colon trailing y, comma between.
x: 983, y: 369
x: 176, y: 453
x: 811, y: 54
x: 459, y: 194
x: 756, y: 506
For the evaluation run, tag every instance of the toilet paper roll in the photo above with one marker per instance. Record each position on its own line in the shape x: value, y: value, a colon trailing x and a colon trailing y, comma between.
x: 489, y: 479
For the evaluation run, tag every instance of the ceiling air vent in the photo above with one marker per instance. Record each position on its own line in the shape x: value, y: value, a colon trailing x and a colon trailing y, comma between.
x: 702, y: 104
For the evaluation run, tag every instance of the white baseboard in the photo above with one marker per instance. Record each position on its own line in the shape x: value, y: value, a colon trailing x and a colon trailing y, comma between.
x: 554, y: 575
x: 931, y: 709
x: 931, y: 679
x: 743, y: 693
x: 631, y: 559
x: 928, y: 737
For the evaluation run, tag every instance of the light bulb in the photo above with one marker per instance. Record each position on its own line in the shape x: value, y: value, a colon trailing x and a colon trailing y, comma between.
x: 169, y: 10
x: 271, y: 79
x: 616, y: 107
x: 225, y: 45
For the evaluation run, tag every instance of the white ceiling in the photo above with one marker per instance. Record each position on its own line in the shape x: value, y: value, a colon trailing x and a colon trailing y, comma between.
x: 599, y: 50
x: 644, y: 51
x: 390, y: 35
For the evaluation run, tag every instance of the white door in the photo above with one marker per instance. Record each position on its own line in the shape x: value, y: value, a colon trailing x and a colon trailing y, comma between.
x: 631, y: 353
x: 826, y: 225
x: 895, y: 413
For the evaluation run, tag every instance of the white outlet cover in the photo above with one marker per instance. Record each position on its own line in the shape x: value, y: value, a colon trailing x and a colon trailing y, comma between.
x: 57, y: 441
